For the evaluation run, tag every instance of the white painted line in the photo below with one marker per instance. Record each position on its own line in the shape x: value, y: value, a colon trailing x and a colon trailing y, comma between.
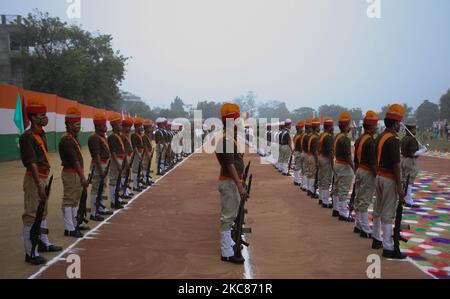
x: 93, y: 231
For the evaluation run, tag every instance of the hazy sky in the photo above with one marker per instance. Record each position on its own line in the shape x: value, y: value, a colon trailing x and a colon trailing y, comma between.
x: 303, y: 52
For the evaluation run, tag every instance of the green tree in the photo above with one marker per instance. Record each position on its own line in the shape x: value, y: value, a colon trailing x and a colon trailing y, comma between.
x: 357, y: 115
x: 177, y: 108
x: 69, y: 61
x: 209, y: 109
x: 426, y: 114
x: 331, y: 111
x: 303, y: 113
x: 444, y: 105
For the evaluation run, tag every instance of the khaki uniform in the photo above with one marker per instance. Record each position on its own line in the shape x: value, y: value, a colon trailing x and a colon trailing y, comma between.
x: 33, y: 149
x: 325, y: 169
x: 409, y: 164
x: 344, y: 174
x: 98, y: 146
x: 304, y: 159
x: 117, y: 146
x: 388, y: 154
x: 136, y: 141
x: 229, y: 194
x: 70, y: 153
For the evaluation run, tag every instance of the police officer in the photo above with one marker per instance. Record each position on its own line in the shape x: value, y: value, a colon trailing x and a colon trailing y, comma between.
x: 34, y: 155
x: 127, y: 123
x: 366, y: 171
x: 72, y: 174
x: 325, y: 162
x: 138, y: 149
x: 312, y: 157
x: 304, y: 154
x: 297, y: 151
x: 231, y: 188
x: 344, y: 168
x: 100, y: 154
x: 409, y: 164
x: 117, y: 166
x: 285, y: 147
x: 148, y: 148
x: 388, y: 184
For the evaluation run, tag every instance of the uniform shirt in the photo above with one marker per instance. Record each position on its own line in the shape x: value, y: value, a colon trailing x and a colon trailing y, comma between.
x: 126, y: 143
x: 136, y: 141
x: 285, y: 136
x: 31, y: 150
x: 326, y: 147
x: 297, y: 142
x: 368, y: 152
x: 147, y: 141
x: 70, y: 151
x: 343, y: 148
x: 390, y: 152
x: 98, y: 146
x: 226, y: 158
x: 116, y: 144
x: 312, y: 143
x: 409, y: 146
x: 305, y: 141
x: 159, y: 136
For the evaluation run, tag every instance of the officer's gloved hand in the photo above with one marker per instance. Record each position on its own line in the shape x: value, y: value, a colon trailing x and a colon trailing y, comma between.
x: 423, y: 149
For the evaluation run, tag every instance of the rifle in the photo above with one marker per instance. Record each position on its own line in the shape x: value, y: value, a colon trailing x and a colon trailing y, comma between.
x: 316, y: 181
x: 35, y: 230
x: 351, y: 205
x: 119, y: 180
x: 240, y: 222
x: 127, y: 178
x: 159, y: 172
x: 289, y: 164
x: 398, y: 221
x: 149, y: 181
x: 101, y: 185
x: 139, y: 174
x: 82, y: 211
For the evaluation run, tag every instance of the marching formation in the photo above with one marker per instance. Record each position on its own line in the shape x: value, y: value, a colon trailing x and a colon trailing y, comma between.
x: 119, y: 160
x: 380, y: 171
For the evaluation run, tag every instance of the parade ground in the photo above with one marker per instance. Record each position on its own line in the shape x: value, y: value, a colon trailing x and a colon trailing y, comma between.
x: 171, y: 230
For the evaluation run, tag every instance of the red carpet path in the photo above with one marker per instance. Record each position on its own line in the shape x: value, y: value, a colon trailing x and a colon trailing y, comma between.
x: 172, y: 231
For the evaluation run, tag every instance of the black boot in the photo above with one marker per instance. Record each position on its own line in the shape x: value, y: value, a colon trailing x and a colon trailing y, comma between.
x: 233, y: 259
x: 356, y: 230
x: 320, y: 202
x: 42, y: 247
x: 97, y: 218
x: 335, y: 213
x: 365, y: 235
x: 392, y: 254
x: 73, y: 233
x: 376, y: 244
x: 37, y: 260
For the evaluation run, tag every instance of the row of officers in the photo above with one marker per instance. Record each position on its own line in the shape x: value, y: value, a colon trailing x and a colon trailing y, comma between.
x: 122, y: 155
x: 379, y: 165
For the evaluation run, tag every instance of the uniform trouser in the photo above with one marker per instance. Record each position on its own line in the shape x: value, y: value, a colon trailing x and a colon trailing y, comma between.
x: 71, y: 197
x: 135, y: 170
x: 285, y: 151
x: 364, y: 191
x: 95, y: 182
x: 303, y: 167
x: 342, y: 184
x: 324, y: 175
x: 409, y: 167
x: 297, y: 166
x: 113, y: 176
x: 384, y: 210
x: 145, y: 165
x: 230, y: 199
x: 31, y: 202
x: 310, y: 172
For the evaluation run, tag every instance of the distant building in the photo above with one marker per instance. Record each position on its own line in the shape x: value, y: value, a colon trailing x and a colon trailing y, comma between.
x: 129, y: 99
x: 11, y: 52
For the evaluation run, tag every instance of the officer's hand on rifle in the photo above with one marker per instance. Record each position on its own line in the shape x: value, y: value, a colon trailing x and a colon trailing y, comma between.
x: 243, y: 193
x: 41, y: 192
x: 84, y: 183
x: 401, y: 194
